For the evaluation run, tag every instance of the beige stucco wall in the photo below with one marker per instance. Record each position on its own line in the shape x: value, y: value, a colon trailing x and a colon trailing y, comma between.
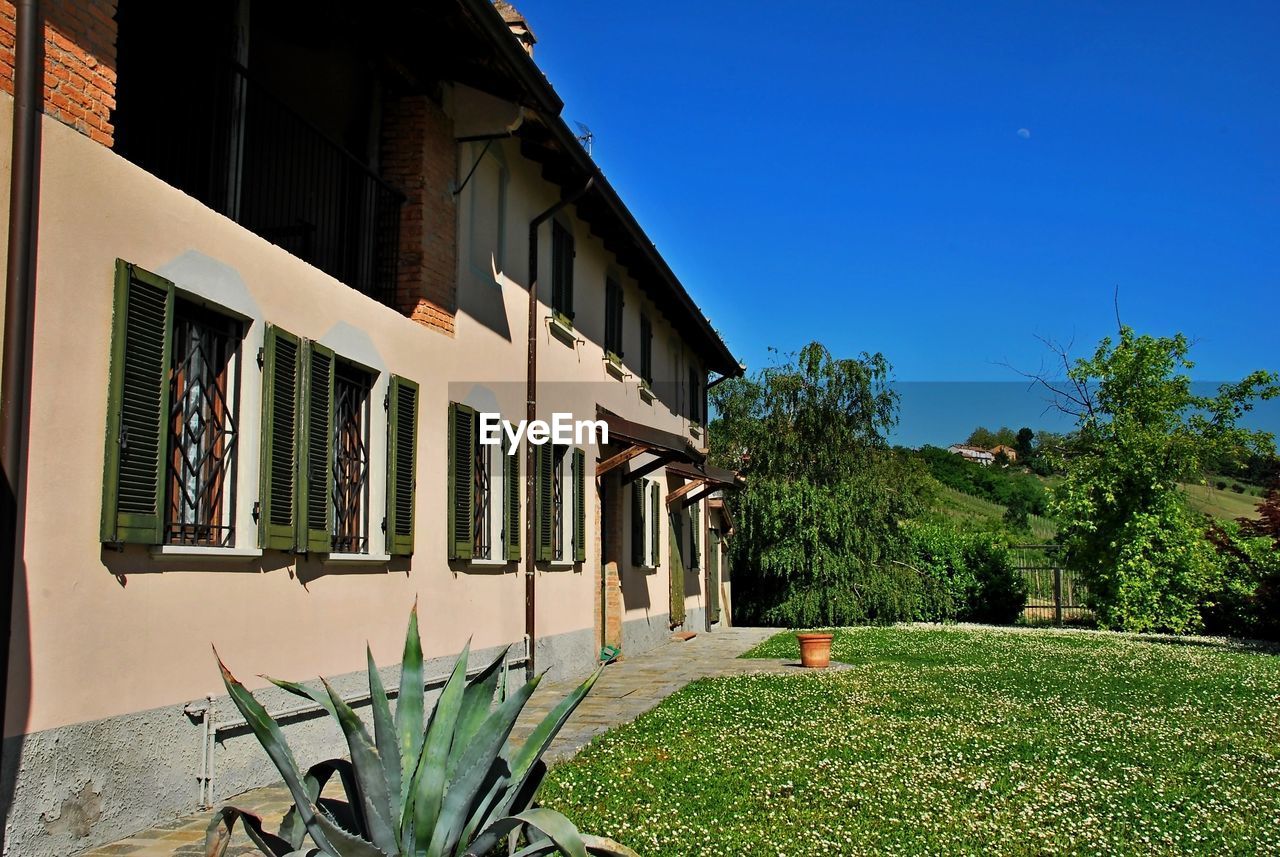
x: 99, y: 633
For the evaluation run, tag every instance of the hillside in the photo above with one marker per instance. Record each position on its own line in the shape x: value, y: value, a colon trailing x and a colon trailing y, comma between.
x: 1221, y: 504
x: 965, y: 507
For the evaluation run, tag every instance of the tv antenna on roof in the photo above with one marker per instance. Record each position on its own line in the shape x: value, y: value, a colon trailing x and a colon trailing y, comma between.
x: 585, y: 137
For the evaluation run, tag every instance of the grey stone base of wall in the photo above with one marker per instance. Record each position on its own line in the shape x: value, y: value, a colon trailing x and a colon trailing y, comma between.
x: 641, y: 635
x: 78, y: 786
x: 695, y: 619
x: 567, y: 655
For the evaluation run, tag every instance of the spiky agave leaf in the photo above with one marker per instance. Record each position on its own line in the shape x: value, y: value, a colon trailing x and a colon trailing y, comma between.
x: 475, y: 769
x: 385, y: 738
x: 409, y: 711
x: 269, y: 736
x: 314, y: 781
x: 375, y: 800
x: 429, y: 778
x: 477, y: 700
x: 218, y: 835
x: 555, y: 826
x: 515, y: 780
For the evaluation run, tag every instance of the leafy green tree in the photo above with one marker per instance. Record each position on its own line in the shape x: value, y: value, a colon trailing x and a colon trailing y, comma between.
x: 819, y: 534
x: 981, y: 437
x: 1023, y: 443
x: 1140, y: 432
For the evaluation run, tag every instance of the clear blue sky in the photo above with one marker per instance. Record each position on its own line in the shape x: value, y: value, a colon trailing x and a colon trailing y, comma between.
x: 943, y: 182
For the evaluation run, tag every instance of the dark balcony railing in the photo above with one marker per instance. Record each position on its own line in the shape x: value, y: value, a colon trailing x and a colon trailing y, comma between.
x: 245, y: 153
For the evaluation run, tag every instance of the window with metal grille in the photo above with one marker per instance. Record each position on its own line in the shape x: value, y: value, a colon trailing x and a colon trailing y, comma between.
x: 560, y: 460
x: 562, y: 271
x: 482, y: 494
x: 351, y: 392
x: 202, y: 428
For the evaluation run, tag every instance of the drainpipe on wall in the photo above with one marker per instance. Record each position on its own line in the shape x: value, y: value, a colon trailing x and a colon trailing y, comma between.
x: 18, y: 300
x: 531, y: 414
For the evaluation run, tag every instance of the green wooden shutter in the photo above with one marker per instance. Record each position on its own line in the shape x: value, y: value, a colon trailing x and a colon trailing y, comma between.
x: 695, y: 540
x: 278, y: 476
x: 638, y: 557
x: 676, y: 571
x: 402, y: 464
x: 511, y: 519
x: 579, y: 506
x: 315, y: 478
x: 713, y: 577
x: 655, y: 522
x: 137, y: 408
x: 544, y: 458
x: 462, y: 459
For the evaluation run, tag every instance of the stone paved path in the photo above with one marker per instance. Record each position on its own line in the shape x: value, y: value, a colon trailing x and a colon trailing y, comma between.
x: 626, y: 690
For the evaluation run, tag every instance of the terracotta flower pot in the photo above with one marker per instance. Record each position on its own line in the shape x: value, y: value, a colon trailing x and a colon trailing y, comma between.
x: 815, y: 650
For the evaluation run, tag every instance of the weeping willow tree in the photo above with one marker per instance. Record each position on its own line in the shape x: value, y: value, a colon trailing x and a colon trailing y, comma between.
x: 819, y: 525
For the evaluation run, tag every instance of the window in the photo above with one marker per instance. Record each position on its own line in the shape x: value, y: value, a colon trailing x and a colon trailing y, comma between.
x: 351, y: 389
x: 314, y: 484
x: 695, y: 395
x: 645, y: 500
x: 484, y: 492
x: 613, y: 304
x: 172, y: 434
x: 562, y: 254
x: 646, y: 350
x: 202, y: 428
x: 561, y: 503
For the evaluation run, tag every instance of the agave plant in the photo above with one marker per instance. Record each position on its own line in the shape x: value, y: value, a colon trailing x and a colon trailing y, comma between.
x: 454, y: 787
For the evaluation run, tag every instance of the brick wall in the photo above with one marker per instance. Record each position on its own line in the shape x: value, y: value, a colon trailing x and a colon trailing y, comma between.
x: 79, y: 62
x: 610, y: 560
x: 419, y: 156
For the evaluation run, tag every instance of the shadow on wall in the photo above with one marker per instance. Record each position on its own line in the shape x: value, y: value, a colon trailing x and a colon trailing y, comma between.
x: 138, y: 559
x: 482, y: 298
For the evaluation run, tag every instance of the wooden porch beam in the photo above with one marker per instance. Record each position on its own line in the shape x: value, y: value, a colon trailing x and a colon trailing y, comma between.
x: 691, y: 485
x: 620, y: 459
x: 707, y: 488
x: 646, y: 469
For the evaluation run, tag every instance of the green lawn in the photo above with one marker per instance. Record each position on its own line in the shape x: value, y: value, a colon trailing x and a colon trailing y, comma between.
x: 951, y: 740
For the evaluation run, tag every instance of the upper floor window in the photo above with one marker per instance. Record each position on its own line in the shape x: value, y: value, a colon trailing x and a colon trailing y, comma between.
x: 695, y: 395
x: 646, y: 349
x: 562, y: 254
x: 484, y: 492
x: 613, y: 304
x: 172, y: 434
x: 234, y: 121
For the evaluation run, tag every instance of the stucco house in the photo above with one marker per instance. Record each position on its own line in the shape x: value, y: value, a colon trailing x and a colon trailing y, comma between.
x: 976, y: 454
x: 280, y: 259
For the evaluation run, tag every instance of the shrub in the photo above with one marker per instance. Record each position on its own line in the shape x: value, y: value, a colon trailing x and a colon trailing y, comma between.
x: 968, y: 577
x: 446, y: 784
x: 1245, y: 602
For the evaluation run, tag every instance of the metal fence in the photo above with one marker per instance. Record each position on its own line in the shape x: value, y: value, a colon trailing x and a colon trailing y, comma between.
x: 1054, y: 593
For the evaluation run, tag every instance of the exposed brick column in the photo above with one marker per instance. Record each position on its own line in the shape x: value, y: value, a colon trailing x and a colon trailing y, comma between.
x: 419, y: 156
x: 79, y: 62
x: 610, y: 560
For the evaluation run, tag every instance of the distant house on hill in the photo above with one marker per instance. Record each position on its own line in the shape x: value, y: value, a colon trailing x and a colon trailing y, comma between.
x: 973, y: 453
x: 1010, y: 454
